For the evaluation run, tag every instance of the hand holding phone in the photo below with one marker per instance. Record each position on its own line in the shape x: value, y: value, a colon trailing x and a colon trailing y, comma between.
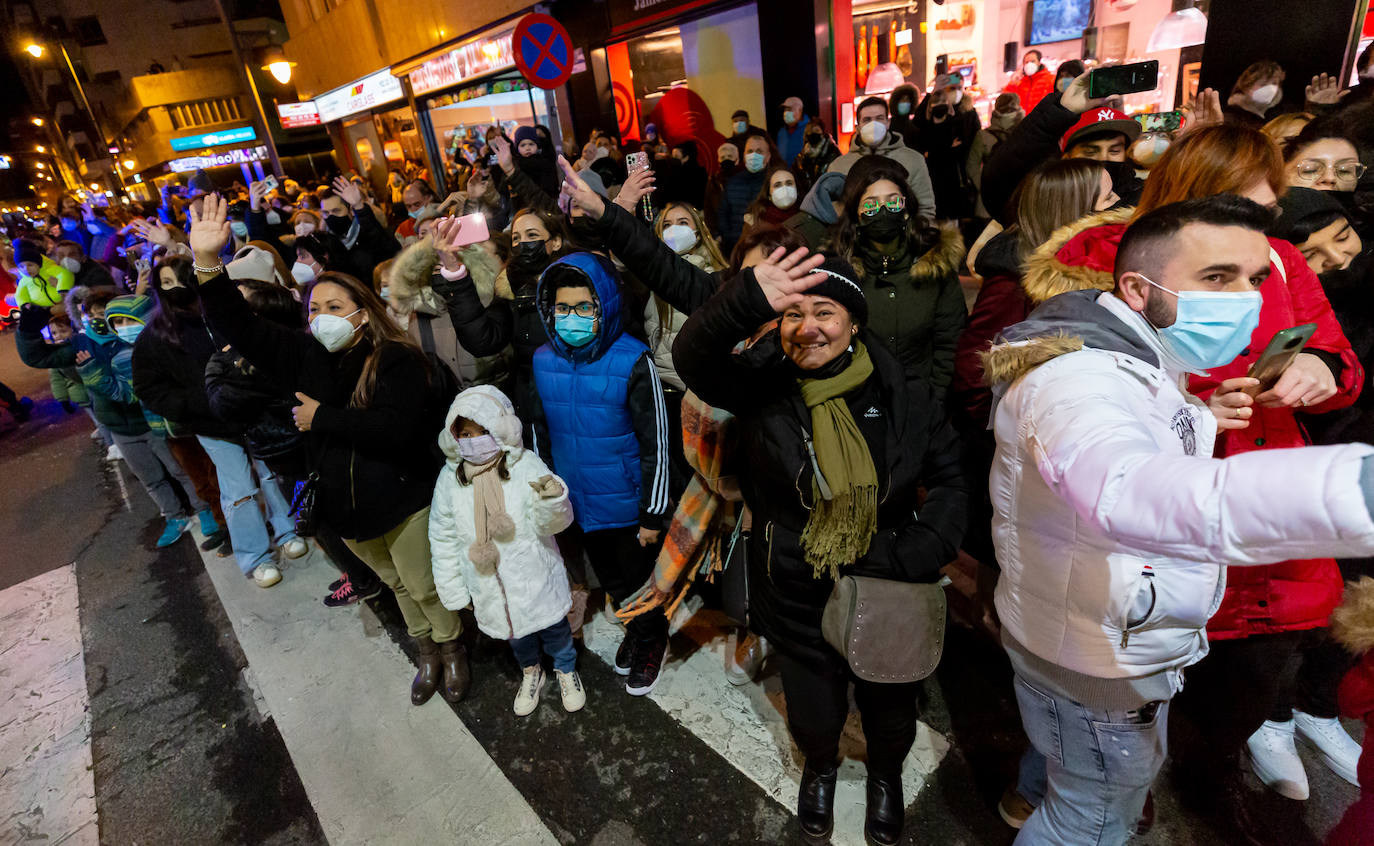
x: 1124, y: 79
x: 1279, y: 354
x: 270, y: 182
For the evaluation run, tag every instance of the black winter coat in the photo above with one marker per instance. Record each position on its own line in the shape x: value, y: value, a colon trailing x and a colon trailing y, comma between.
x: 676, y: 281
x: 240, y: 394
x: 378, y: 464
x: 170, y: 381
x: 912, y: 445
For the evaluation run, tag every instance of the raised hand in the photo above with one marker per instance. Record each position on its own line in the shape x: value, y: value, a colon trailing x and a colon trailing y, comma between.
x: 209, y: 230
x: 1206, y: 110
x: 782, y: 276
x: 636, y: 188
x: 349, y: 192
x: 581, y: 193
x: 1075, y: 98
x: 256, y: 191
x: 153, y: 233
x: 501, y: 147
x: 1325, y: 90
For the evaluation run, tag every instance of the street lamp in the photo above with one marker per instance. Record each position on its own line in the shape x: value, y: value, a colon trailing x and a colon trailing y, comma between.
x: 276, y: 63
x: 40, y: 148
x: 128, y: 164
x: 35, y: 50
x: 37, y: 121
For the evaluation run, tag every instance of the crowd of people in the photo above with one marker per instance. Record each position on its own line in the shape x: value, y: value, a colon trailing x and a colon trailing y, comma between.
x: 762, y: 371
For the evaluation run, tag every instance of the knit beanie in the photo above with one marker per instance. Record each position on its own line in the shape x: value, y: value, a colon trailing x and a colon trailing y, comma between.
x: 526, y: 133
x: 137, y: 308
x: 1300, y: 206
x: 835, y: 279
x: 26, y: 250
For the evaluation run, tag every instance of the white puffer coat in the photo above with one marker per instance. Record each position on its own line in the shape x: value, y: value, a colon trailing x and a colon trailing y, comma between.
x: 1111, y: 518
x: 529, y: 590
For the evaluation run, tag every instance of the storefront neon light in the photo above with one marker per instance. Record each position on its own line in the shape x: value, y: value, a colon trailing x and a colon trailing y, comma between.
x: 476, y: 58
x: 241, y: 155
x: 215, y: 139
x: 359, y: 96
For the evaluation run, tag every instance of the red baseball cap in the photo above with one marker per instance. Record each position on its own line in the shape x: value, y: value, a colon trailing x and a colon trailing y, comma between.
x: 1101, y: 121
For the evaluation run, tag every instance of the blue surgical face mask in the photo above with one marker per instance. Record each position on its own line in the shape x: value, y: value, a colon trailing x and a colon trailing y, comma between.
x: 741, y: 126
x: 753, y: 162
x: 574, y: 329
x: 1211, y: 327
x: 128, y: 333
x: 239, y: 228
x: 904, y: 107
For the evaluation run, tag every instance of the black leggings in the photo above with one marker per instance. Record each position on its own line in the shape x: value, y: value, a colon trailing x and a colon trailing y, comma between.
x: 622, y: 567
x: 818, y: 705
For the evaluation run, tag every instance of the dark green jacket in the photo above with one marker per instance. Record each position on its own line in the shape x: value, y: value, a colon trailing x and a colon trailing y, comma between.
x: 917, y: 308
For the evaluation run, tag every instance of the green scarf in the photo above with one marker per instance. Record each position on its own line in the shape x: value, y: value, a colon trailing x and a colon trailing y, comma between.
x: 845, y: 486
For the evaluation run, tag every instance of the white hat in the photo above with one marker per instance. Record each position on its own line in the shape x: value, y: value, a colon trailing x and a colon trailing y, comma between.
x: 489, y: 408
x: 254, y: 263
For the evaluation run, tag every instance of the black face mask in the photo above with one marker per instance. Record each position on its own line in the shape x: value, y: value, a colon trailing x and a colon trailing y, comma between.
x: 586, y: 234
x: 338, y: 225
x: 530, y: 257
x: 941, y: 111
x: 728, y: 168
x: 882, y: 227
x: 815, y: 144
x: 180, y: 297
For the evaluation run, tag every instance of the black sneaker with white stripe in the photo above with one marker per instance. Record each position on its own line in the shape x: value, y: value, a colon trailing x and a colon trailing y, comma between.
x: 625, y: 655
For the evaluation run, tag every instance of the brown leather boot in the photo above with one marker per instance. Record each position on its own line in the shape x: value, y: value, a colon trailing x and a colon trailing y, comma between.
x: 427, y: 679
x: 457, y: 677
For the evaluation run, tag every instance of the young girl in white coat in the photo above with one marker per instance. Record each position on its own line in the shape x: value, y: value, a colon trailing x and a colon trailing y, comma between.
x: 496, y: 509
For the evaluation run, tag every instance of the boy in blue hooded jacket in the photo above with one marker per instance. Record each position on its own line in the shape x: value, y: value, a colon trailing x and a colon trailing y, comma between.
x: 607, y: 425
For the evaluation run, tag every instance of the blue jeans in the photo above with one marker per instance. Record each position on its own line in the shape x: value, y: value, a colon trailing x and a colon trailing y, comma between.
x: 248, y: 531
x: 1099, y: 763
x: 558, y: 644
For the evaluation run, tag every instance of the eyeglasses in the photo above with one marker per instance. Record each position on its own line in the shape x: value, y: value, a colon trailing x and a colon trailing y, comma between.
x: 870, y: 207
x: 581, y: 309
x: 1310, y: 170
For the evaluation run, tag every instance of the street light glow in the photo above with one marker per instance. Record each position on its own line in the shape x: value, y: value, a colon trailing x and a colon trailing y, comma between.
x: 281, y: 71
x: 128, y: 164
x: 37, y: 121
x: 35, y: 50
x: 39, y: 165
x: 40, y: 148
x: 95, y: 186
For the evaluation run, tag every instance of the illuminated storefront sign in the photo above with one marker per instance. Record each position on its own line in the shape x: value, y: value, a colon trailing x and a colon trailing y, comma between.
x: 359, y: 96
x: 296, y: 115
x: 242, y: 155
x: 476, y: 58
x: 214, y: 139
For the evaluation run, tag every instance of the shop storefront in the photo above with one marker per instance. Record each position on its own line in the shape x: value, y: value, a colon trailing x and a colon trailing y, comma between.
x: 374, y: 132
x: 462, y: 90
x: 684, y: 67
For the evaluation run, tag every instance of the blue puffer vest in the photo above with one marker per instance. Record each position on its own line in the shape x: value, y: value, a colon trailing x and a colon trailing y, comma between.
x: 585, y: 394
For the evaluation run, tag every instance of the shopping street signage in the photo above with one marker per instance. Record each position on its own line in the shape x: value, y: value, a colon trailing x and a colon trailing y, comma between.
x: 359, y: 96
x: 241, y: 155
x: 627, y: 14
x: 296, y: 115
x: 214, y: 139
x: 471, y: 60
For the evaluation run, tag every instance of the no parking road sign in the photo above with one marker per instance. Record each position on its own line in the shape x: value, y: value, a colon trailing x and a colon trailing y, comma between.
x: 543, y: 50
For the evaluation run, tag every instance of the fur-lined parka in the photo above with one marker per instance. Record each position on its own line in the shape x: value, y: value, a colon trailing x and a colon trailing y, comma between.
x: 1353, y: 625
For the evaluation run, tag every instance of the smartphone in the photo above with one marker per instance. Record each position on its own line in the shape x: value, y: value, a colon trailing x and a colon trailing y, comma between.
x: 270, y: 182
x: 1282, y: 349
x: 141, y: 264
x: 634, y: 163
x: 491, y: 160
x: 1123, y: 79
x: 474, y: 229
x: 1161, y: 121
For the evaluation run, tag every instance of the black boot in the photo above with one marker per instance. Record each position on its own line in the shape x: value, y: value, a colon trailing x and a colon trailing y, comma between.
x: 431, y: 671
x: 457, y: 676
x: 816, y: 804
x: 883, y: 826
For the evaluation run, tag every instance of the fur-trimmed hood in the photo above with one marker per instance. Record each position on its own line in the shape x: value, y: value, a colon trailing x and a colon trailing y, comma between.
x: 1077, y: 257
x: 943, y: 259
x: 416, y: 265
x: 1352, y: 624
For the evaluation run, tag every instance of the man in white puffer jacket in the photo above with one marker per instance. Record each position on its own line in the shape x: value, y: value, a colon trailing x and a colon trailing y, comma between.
x: 496, y: 509
x: 1113, y: 524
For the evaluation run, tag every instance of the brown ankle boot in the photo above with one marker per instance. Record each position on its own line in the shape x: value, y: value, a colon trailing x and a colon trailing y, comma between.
x: 427, y: 679
x: 457, y: 677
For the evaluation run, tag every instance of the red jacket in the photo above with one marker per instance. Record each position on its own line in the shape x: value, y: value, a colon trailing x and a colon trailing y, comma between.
x: 1292, y: 595
x: 1031, y: 89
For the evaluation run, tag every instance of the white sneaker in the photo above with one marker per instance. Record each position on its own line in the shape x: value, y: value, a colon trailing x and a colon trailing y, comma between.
x: 113, y: 454
x: 1328, y: 738
x: 527, y: 698
x: 295, y: 548
x: 570, y: 688
x: 1274, y: 758
x: 266, y: 575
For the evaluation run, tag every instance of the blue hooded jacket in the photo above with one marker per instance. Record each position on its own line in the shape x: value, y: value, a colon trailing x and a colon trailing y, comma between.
x: 604, y: 408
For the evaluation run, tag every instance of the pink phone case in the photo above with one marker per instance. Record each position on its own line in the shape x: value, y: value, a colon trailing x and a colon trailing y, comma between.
x: 474, y: 229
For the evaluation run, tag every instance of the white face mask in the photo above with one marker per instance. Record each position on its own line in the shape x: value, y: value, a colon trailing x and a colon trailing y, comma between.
x: 873, y: 132
x: 71, y: 264
x: 303, y: 228
x: 385, y: 293
x: 956, y: 96
x: 332, y: 330
x: 784, y: 196
x: 679, y: 237
x: 273, y: 218
x: 302, y: 273
x: 1265, y: 95
x: 478, y: 450
x: 1031, y: 68
x: 239, y: 228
